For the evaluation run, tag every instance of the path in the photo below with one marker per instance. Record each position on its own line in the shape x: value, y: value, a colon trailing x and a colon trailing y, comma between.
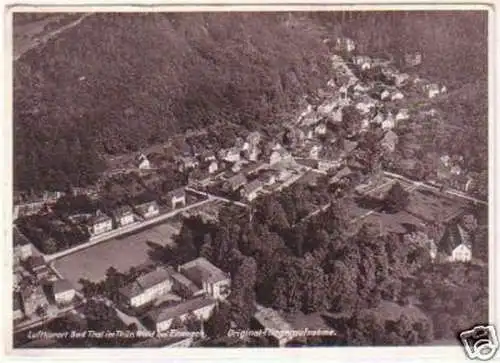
x: 45, y: 38
x: 123, y: 230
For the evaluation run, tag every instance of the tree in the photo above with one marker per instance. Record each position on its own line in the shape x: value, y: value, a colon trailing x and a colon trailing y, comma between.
x: 397, y: 199
x: 218, y: 323
x: 192, y: 322
x: 100, y: 317
x: 242, y: 296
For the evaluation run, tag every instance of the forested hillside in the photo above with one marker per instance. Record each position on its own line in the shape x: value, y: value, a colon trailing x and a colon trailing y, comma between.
x: 119, y: 82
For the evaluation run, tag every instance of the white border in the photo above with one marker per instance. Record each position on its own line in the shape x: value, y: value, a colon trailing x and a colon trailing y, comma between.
x: 301, y: 354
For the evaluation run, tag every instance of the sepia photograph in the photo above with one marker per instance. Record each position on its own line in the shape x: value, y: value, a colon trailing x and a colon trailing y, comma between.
x: 250, y: 179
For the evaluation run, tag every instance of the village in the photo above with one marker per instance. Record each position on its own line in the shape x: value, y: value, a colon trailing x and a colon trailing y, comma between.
x: 64, y: 236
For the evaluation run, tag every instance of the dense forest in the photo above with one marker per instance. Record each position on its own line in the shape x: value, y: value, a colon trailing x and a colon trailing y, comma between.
x: 119, y: 82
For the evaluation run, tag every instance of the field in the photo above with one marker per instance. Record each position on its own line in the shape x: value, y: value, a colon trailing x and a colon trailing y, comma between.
x: 122, y: 253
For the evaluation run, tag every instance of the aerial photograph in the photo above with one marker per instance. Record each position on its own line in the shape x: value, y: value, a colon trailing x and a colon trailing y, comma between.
x: 249, y: 179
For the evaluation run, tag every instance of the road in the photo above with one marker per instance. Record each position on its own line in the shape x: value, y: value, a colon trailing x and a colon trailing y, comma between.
x: 453, y: 192
x: 45, y: 38
x: 216, y: 197
x: 123, y: 230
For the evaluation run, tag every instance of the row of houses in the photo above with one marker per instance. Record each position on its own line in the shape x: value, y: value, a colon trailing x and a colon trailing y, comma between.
x: 199, y: 283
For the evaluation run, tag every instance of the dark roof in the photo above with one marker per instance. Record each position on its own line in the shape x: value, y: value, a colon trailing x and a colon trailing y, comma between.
x: 180, y: 309
x: 144, y: 282
x: 123, y: 210
x: 200, y: 270
x: 184, y: 281
x: 253, y: 186
x: 453, y: 237
x: 61, y: 286
x: 99, y: 218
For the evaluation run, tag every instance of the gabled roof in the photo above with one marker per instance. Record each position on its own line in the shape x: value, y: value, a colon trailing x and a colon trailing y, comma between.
x: 200, y: 270
x: 61, y: 286
x: 253, y: 186
x: 171, y: 312
x: 453, y: 237
x: 237, y: 180
x: 122, y: 211
x: 145, y: 282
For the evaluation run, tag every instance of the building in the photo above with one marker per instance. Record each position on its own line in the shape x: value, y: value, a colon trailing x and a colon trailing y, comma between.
x: 161, y: 319
x: 402, y: 115
x: 432, y: 90
x: 413, y: 59
x: 267, y: 177
x: 208, y: 277
x: 17, y: 306
x: 143, y: 162
x: 186, y: 163
x: 320, y: 129
x: 342, y: 174
x: 271, y: 321
x: 345, y: 45
x: 63, y: 291
x: 207, y: 157
x: 148, y: 209
x: 236, y: 182
x: 456, y: 244
x: 397, y: 96
x: 36, y: 265
x: 33, y: 298
x: 390, y: 141
x: 364, y: 62
x: 22, y: 247
x: 213, y: 167
x: 147, y: 288
x: 100, y: 223
x: 184, y: 287
x: 278, y: 155
x: 176, y: 197
x: 251, y: 190
x: 232, y: 155
x: 123, y: 216
x: 254, y: 138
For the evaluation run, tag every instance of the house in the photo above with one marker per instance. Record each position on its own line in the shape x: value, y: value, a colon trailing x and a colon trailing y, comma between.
x: 236, y: 181
x: 400, y: 79
x: 385, y: 95
x: 147, y: 288
x: 176, y: 197
x: 208, y: 277
x: 143, y: 162
x: 252, y: 153
x: 100, y: 223
x: 272, y: 322
x: 32, y: 298
x: 267, y: 177
x: 123, y: 216
x: 456, y: 244
x: 278, y: 155
x: 390, y: 141
x: 397, y: 96
x: 37, y: 266
x: 17, y: 306
x: 251, y: 190
x: 364, y: 62
x: 63, y: 292
x: 187, y: 162
x: 456, y: 170
x: 389, y: 122
x: 148, y: 209
x: 366, y: 105
x: 254, y: 138
x: 207, y: 157
x: 344, y: 45
x: 161, y: 319
x: 22, y: 247
x: 314, y: 151
x: 413, y: 59
x: 231, y: 155
x: 343, y: 173
x: 432, y: 90
x: 184, y: 287
x: 402, y: 115
x: 320, y: 129
x: 213, y: 167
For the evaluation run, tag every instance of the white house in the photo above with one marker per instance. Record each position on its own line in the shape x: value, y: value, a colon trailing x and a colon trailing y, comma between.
x: 144, y: 162
x: 162, y: 318
x: 177, y: 197
x: 208, y: 277
x: 148, y: 209
x: 100, y: 223
x: 385, y: 95
x: 63, y: 291
x: 213, y: 167
x: 123, y: 216
x: 402, y: 115
x: 432, y: 90
x: 252, y: 189
x: 320, y: 129
x: 147, y: 288
x: 456, y: 244
x: 232, y: 155
x: 400, y: 79
x: 345, y: 44
x: 397, y: 96
x: 389, y: 122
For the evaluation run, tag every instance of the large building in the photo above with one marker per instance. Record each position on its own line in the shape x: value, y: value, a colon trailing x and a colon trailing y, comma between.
x: 147, y: 288
x: 456, y: 244
x: 207, y: 277
x: 63, y: 291
x: 161, y: 319
x: 100, y: 223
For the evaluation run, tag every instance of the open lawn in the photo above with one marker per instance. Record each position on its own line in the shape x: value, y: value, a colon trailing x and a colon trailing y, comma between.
x: 429, y: 206
x: 121, y: 253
